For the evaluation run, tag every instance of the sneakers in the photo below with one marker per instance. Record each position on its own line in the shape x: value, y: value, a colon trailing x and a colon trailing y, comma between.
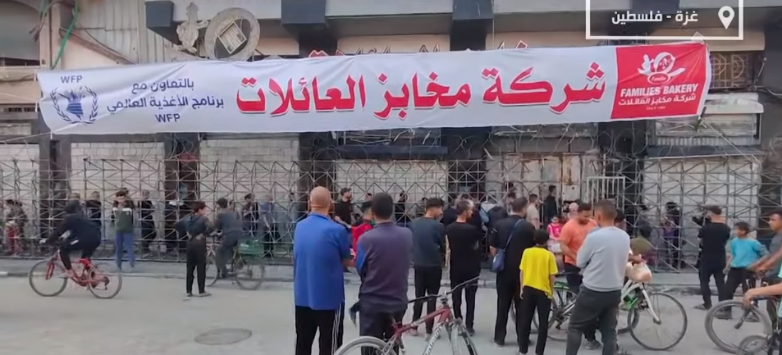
x: 702, y: 307
x: 593, y: 345
x: 471, y: 331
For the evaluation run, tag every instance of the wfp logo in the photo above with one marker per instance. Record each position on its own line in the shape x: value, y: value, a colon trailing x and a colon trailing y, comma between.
x: 69, y: 105
x: 658, y: 70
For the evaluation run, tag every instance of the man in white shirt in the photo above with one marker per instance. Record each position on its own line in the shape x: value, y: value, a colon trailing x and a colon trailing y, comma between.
x: 533, y: 214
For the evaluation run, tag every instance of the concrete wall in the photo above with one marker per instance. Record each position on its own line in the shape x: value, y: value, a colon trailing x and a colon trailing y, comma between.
x: 232, y: 168
x: 105, y: 167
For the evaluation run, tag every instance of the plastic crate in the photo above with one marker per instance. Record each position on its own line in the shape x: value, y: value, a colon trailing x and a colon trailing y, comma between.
x: 251, y: 248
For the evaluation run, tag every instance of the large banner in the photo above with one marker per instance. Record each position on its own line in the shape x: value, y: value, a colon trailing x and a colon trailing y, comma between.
x: 446, y: 89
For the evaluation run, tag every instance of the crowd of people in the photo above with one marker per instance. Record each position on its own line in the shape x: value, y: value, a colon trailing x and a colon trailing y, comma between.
x: 134, y: 225
x: 590, y: 244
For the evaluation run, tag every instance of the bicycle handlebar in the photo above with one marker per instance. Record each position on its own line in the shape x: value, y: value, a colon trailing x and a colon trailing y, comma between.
x: 445, y: 295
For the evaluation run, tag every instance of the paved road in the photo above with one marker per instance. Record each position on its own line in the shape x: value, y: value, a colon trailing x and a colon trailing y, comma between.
x: 152, y: 317
x: 680, y: 283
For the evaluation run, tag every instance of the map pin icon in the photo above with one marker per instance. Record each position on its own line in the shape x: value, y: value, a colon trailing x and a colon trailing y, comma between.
x: 726, y: 15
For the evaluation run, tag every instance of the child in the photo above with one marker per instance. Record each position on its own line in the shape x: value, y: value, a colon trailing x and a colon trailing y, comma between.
x: 366, y: 224
x: 554, y: 229
x: 538, y: 269
x: 744, y: 251
x: 357, y: 231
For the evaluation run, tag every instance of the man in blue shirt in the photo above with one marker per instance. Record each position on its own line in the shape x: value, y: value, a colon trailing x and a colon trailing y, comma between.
x: 321, y: 250
x: 383, y: 262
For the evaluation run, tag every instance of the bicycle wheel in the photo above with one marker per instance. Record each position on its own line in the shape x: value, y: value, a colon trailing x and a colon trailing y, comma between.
x: 102, y: 277
x: 736, y: 324
x: 212, y: 274
x: 559, y: 318
x: 458, y: 336
x: 356, y: 345
x: 249, y: 273
x: 48, y: 270
x: 651, y: 307
x: 754, y: 345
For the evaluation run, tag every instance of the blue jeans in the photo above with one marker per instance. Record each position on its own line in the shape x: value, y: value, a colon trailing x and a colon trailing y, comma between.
x: 124, y: 242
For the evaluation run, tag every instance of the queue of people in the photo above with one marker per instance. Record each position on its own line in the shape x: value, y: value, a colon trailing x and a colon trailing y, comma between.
x: 382, y: 250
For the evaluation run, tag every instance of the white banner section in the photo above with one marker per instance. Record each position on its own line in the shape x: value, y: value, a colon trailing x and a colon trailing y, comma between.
x: 369, y: 92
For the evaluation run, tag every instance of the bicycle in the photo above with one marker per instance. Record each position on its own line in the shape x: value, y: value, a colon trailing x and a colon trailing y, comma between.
x: 761, y: 344
x: 241, y: 271
x: 752, y: 314
x: 635, y: 299
x: 453, y: 326
x: 91, y: 275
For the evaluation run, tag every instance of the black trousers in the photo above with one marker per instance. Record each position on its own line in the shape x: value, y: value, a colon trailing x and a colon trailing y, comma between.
x: 196, y: 262
x: 736, y: 277
x: 270, y: 237
x: 328, y: 324
x: 148, y: 235
x: 573, y: 277
x: 706, y: 271
x: 533, y: 299
x: 508, y: 291
x: 469, y: 291
x: 87, y: 248
x: 427, y: 282
x: 377, y: 324
x: 592, y: 306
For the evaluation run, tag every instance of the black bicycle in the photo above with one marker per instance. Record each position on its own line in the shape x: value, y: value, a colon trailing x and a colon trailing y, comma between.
x: 246, y: 267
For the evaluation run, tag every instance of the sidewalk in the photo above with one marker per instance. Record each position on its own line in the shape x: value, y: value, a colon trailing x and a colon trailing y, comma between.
x: 681, y: 283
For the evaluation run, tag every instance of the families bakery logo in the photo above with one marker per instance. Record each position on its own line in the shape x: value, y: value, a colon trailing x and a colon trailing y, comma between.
x: 69, y: 105
x: 658, y: 71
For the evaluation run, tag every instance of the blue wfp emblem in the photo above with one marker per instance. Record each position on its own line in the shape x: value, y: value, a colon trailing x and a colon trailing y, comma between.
x: 69, y: 105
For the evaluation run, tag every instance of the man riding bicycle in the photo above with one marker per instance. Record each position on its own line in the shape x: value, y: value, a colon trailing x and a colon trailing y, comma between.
x: 229, y: 224
x: 78, y: 233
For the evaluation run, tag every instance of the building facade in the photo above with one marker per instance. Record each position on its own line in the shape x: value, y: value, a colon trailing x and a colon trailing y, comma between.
x: 721, y: 158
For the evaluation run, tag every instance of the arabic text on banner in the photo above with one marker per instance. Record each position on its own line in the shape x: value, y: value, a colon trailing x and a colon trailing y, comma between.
x: 389, y: 91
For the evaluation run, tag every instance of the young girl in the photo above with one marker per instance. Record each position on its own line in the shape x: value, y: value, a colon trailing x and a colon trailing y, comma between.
x: 554, y: 229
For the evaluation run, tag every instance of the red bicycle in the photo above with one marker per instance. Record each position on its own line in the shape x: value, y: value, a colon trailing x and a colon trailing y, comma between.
x: 87, y: 274
x: 453, y: 326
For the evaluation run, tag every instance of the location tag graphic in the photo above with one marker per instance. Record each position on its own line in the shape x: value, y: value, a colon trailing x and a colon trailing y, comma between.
x: 726, y: 15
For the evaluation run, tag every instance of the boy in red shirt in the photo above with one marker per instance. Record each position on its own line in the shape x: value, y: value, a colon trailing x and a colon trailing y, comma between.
x: 366, y: 224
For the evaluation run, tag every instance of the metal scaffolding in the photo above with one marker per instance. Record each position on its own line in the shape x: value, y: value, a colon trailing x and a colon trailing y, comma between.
x: 734, y: 183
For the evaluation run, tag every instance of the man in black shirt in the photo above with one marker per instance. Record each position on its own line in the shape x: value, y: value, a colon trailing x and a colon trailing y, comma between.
x: 343, y: 209
x: 713, y: 238
x: 451, y: 214
x: 521, y: 235
x: 462, y: 241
